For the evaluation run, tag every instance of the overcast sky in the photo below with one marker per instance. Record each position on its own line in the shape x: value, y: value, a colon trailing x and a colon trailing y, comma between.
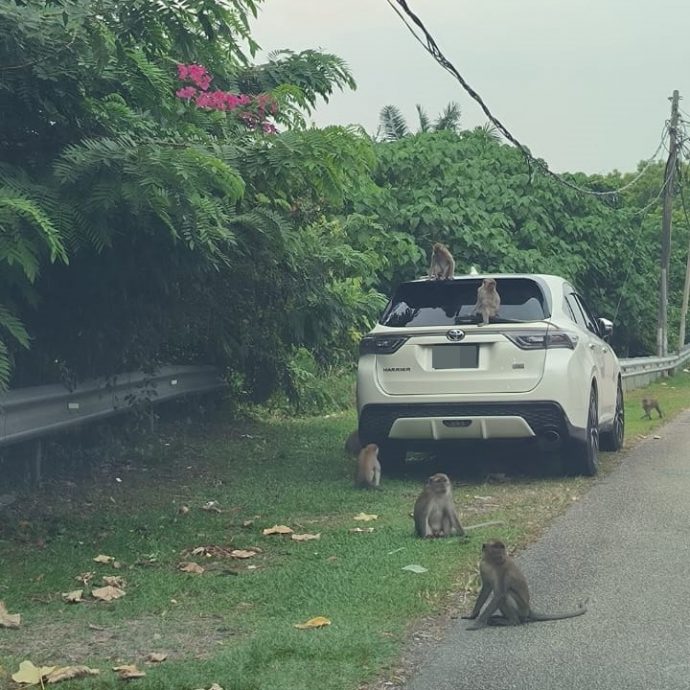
x: 583, y: 83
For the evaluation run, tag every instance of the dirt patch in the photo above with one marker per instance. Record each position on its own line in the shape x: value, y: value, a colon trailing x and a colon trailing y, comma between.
x: 125, y: 640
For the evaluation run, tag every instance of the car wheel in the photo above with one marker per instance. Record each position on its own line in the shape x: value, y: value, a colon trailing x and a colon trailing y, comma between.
x: 392, y: 456
x: 582, y: 457
x: 613, y: 439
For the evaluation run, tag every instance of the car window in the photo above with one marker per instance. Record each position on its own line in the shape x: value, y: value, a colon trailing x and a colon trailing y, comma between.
x: 576, y: 311
x: 451, y: 302
x: 568, y: 309
x: 592, y: 324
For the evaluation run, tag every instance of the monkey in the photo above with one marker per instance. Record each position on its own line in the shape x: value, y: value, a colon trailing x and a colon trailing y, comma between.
x: 434, y: 510
x: 442, y: 262
x: 352, y: 443
x: 368, y: 467
x: 488, y: 300
x: 649, y: 404
x: 501, y: 575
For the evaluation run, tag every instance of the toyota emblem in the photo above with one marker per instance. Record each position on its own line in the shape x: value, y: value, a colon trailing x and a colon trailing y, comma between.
x: 455, y: 334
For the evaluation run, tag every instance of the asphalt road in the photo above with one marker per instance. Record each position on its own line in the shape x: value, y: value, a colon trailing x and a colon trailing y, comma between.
x: 626, y: 546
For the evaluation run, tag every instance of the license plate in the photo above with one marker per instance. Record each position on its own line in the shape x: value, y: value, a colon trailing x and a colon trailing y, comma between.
x: 455, y: 356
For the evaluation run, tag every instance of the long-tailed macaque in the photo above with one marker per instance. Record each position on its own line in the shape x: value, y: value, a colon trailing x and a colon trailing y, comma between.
x: 502, y: 577
x: 368, y: 467
x: 442, y: 262
x: 352, y: 443
x: 649, y: 404
x: 434, y: 510
x: 488, y: 300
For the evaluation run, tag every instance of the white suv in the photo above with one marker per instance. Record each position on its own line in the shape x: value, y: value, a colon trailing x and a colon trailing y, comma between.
x: 541, y: 369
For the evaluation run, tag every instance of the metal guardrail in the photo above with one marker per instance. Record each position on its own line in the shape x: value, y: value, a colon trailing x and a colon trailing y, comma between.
x: 38, y: 411
x: 31, y: 413
x: 639, y: 371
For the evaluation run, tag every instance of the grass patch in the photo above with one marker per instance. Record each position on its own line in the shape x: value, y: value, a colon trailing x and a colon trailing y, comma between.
x: 234, y: 624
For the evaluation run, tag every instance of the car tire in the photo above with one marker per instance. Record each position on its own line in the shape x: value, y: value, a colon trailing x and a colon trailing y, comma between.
x: 582, y: 457
x: 392, y: 456
x: 612, y: 440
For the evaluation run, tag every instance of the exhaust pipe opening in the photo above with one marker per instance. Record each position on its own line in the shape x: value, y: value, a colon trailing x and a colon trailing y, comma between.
x: 550, y: 439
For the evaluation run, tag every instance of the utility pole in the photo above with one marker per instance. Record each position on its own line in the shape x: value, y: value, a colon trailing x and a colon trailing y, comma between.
x: 669, y: 180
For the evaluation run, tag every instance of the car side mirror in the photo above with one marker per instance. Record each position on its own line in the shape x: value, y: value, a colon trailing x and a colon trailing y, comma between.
x: 606, y: 327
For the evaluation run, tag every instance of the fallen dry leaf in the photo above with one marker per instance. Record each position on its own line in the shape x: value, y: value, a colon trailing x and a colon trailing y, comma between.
x: 211, y: 507
x: 102, y: 558
x: 364, y: 517
x: 183, y: 510
x: 107, y: 593
x: 305, y: 537
x: 117, y: 565
x: 73, y: 597
x: 61, y: 673
x: 247, y: 523
x: 190, y: 567
x: 86, y: 577
x: 215, y: 686
x: 114, y: 581
x: 241, y: 553
x: 656, y: 438
x: 9, y: 620
x: 156, y: 657
x: 277, y: 529
x: 318, y: 622
x: 128, y: 671
x: 414, y: 568
x: 28, y: 674
x: 361, y: 529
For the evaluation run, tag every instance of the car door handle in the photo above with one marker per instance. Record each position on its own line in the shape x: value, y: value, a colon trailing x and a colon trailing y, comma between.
x: 591, y: 346
x: 604, y: 349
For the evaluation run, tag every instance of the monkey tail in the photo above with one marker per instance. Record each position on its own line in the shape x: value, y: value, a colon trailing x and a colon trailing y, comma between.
x: 536, y: 616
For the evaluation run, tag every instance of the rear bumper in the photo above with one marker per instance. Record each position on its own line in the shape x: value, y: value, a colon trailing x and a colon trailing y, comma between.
x: 430, y: 422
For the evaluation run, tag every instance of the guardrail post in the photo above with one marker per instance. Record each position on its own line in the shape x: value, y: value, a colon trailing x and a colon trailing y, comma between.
x: 36, y: 460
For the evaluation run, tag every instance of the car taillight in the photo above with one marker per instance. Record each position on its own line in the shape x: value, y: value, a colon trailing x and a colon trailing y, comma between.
x: 381, y: 345
x: 543, y: 340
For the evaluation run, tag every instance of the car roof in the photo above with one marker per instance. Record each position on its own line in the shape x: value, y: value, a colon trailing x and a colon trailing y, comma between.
x: 545, y: 277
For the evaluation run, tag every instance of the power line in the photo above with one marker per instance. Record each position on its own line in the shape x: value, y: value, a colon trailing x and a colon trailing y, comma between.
x: 430, y: 45
x: 643, y: 215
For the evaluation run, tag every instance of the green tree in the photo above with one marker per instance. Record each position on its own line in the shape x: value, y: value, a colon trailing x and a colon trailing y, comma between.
x: 393, y: 127
x: 137, y: 227
x: 480, y: 197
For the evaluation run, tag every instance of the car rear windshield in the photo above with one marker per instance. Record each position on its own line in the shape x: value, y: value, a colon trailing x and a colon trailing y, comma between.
x: 451, y: 302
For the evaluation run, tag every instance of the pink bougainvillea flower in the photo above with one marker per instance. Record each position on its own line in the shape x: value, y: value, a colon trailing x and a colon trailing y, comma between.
x: 197, y: 74
x: 186, y: 93
x: 251, y: 110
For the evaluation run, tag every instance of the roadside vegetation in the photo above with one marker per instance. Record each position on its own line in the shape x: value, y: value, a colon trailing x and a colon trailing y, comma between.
x: 234, y: 623
x: 162, y: 201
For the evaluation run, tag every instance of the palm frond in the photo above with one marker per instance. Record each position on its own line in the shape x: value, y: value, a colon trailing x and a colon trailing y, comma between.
x: 449, y: 119
x: 424, y: 121
x: 393, y: 123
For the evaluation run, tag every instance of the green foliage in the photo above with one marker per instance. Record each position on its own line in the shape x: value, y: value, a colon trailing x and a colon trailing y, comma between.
x: 189, y: 237
x: 480, y: 197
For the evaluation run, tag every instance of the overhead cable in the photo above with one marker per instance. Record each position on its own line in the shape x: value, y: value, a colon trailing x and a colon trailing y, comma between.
x: 429, y: 44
